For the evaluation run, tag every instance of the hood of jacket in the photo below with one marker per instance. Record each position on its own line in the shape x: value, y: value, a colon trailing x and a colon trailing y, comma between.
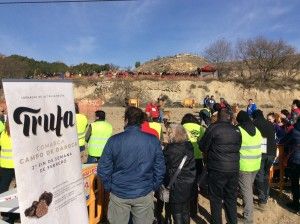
x: 245, y: 122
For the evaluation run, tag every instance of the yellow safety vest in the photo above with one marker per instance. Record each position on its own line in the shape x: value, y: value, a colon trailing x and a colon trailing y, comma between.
x: 81, y: 124
x: 250, y: 152
x: 2, y: 126
x: 6, y: 155
x: 195, y: 133
x: 101, y: 132
x: 156, y: 126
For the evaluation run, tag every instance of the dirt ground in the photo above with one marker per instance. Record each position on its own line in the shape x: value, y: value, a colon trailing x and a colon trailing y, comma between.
x: 276, y: 212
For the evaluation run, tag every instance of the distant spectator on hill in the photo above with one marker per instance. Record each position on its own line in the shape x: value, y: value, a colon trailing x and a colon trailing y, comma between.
x: 251, y: 108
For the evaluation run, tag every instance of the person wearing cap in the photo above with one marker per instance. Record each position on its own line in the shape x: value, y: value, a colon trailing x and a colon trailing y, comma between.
x: 250, y: 160
x: 268, y: 155
x: 97, y: 135
x: 220, y: 145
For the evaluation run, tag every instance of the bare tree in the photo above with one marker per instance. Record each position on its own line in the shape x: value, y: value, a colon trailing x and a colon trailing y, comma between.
x: 219, y: 52
x: 291, y: 68
x: 263, y: 57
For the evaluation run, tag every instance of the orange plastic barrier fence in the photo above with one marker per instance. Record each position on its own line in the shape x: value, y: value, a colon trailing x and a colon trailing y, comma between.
x: 281, y: 167
x: 96, y: 198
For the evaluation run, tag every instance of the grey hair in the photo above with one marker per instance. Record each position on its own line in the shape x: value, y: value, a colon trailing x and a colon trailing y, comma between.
x: 177, y: 134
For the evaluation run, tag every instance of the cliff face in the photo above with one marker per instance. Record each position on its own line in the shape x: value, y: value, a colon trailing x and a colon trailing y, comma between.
x: 114, y: 92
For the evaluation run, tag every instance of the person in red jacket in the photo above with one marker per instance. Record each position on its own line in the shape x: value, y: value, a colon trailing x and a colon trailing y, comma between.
x: 145, y: 127
x: 152, y: 110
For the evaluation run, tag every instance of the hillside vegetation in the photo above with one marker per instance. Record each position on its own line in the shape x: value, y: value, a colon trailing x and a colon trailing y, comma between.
x: 182, y: 63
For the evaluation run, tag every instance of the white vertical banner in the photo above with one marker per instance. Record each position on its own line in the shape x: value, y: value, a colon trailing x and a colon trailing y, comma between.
x: 45, y: 151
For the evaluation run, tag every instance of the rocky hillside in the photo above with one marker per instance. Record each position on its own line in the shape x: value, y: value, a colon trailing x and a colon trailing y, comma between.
x: 114, y: 92
x: 178, y: 63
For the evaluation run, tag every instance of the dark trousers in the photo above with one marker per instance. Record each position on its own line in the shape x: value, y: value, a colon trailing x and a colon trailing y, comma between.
x: 295, y: 176
x: 194, y: 200
x: 180, y: 212
x: 262, y: 179
x: 92, y: 159
x: 222, y: 186
x: 159, y: 206
x: 6, y: 176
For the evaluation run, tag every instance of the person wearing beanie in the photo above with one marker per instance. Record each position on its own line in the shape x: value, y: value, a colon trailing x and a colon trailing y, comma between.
x: 262, y: 178
x: 250, y: 159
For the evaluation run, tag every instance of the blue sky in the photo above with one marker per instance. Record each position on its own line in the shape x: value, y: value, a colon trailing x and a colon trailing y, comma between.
x: 125, y: 32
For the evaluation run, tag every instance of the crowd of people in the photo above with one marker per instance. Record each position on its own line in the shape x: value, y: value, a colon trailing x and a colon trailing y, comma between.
x: 234, y: 152
x: 225, y: 151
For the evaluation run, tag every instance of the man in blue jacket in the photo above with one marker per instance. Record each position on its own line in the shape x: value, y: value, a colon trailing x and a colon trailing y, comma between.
x: 131, y: 167
x: 251, y: 108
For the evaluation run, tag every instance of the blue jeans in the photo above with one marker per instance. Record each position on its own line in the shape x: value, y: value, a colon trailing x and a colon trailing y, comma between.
x: 92, y: 159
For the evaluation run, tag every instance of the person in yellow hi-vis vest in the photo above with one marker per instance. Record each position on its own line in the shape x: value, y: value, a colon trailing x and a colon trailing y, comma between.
x: 7, y: 172
x: 97, y: 135
x: 2, y: 126
x: 154, y: 124
x: 250, y: 159
x: 81, y: 124
x: 195, y: 132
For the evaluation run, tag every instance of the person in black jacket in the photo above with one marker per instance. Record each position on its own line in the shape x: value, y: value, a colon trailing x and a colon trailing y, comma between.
x: 262, y: 178
x: 221, y: 144
x: 182, y: 190
x: 293, y: 139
